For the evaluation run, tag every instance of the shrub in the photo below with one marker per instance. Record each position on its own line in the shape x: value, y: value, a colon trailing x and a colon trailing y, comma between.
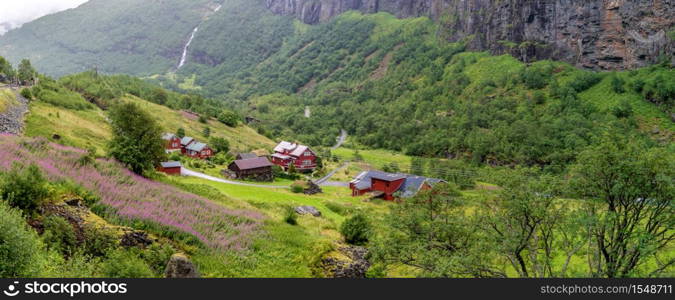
x: 229, y: 118
x: 18, y: 244
x: 338, y: 208
x: 617, y: 84
x: 59, y: 234
x: 536, y: 77
x: 623, y: 110
x: 157, y: 256
x: 25, y: 188
x: 356, y: 230
x: 220, y: 144
x: 98, y: 241
x: 297, y: 187
x: 26, y: 93
x: 180, y: 133
x: 290, y: 216
x: 126, y: 264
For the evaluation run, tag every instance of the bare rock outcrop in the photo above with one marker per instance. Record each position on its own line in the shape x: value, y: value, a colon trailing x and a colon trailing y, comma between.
x: 180, y: 266
x: 593, y: 34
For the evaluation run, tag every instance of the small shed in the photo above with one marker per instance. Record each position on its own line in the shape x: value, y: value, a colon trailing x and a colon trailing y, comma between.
x: 259, y: 169
x: 170, y: 167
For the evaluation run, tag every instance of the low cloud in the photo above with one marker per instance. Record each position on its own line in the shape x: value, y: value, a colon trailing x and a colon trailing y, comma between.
x: 15, y: 13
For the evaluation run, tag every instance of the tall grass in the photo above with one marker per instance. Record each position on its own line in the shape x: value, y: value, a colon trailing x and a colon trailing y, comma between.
x: 134, y: 197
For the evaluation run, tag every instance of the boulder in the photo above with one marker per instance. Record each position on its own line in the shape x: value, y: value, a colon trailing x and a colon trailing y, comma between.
x: 353, y: 264
x: 180, y: 266
x: 308, y: 210
x: 312, y: 188
x: 136, y: 239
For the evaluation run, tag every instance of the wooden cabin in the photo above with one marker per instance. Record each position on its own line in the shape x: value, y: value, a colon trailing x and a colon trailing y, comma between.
x: 259, y: 169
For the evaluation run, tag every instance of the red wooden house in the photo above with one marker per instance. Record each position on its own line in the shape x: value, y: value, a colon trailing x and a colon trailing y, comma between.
x: 287, y: 154
x: 390, y: 186
x: 198, y: 150
x: 172, y: 142
x: 170, y: 167
x: 185, y: 142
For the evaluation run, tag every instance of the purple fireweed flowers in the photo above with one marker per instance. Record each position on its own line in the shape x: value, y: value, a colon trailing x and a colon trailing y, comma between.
x: 136, y: 197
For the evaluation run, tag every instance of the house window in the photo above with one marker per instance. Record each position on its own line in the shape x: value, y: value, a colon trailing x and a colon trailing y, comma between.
x: 307, y: 153
x: 306, y: 162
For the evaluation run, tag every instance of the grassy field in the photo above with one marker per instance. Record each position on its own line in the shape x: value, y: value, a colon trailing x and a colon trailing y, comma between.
x: 241, y: 138
x: 90, y: 128
x: 283, y: 250
x: 370, y: 160
x: 7, y: 99
x: 77, y: 128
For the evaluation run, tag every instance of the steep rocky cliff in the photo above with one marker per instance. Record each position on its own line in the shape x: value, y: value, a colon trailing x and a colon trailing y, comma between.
x: 597, y: 34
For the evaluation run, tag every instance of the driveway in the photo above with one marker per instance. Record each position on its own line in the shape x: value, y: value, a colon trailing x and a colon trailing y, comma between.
x: 187, y: 172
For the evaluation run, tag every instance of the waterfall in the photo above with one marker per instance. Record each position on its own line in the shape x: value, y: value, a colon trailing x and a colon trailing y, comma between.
x: 185, y: 49
x: 183, y: 58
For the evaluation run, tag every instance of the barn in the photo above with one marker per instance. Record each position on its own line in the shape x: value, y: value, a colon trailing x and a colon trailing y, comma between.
x: 259, y: 169
x: 170, y: 167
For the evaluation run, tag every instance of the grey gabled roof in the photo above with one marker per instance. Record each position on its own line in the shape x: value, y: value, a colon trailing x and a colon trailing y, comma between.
x: 410, y: 187
x: 196, y: 146
x: 171, y: 164
x: 168, y: 136
x: 186, y: 140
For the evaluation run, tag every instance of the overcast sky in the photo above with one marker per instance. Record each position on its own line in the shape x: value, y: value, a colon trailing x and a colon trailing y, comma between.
x: 17, y: 12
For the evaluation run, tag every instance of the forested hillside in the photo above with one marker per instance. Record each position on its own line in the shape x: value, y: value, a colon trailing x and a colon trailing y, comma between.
x: 126, y: 36
x: 391, y: 83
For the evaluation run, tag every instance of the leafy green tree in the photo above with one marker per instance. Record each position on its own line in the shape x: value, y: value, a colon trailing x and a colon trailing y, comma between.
x: 521, y: 223
x: 220, y: 144
x: 629, y: 189
x: 6, y: 70
x: 26, y: 72
x: 357, y: 230
x: 207, y: 131
x: 432, y: 233
x: 137, y: 140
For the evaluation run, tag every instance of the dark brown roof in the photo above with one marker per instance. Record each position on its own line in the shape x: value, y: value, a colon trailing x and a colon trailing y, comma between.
x: 253, y: 163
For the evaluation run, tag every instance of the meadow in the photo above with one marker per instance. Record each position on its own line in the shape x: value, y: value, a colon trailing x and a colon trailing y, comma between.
x: 133, y: 197
x: 90, y: 127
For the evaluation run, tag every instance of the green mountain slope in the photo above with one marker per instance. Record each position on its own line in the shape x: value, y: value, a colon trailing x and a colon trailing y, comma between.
x: 126, y: 36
